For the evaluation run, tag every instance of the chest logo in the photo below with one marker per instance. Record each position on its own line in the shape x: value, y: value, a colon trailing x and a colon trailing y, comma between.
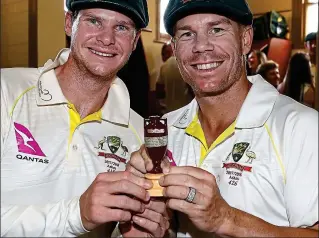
x: 26, y: 142
x: 115, y: 145
x: 239, y: 150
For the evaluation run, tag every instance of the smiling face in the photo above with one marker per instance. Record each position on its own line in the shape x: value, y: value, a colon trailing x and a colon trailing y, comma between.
x: 210, y: 52
x: 101, y: 40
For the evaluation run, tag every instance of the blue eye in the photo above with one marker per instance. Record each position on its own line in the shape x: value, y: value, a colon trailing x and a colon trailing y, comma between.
x: 121, y: 28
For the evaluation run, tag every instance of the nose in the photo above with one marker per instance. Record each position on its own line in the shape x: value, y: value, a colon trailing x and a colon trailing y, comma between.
x: 202, y: 43
x: 106, y: 37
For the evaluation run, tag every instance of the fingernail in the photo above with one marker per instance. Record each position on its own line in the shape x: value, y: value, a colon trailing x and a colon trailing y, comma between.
x: 161, y: 180
x: 164, y: 192
x: 148, y: 184
x: 148, y: 196
x: 166, y: 170
x: 138, y: 220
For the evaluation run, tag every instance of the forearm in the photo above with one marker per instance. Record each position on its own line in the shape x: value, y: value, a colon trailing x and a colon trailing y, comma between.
x: 242, y: 224
x: 56, y: 220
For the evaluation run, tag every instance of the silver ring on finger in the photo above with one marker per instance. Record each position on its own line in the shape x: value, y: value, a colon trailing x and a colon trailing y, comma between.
x: 191, y: 195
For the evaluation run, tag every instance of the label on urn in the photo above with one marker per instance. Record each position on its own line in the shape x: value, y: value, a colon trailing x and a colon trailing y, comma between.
x: 160, y: 141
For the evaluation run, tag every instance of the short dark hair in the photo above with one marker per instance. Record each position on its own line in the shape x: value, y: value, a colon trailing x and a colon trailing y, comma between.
x: 265, y: 67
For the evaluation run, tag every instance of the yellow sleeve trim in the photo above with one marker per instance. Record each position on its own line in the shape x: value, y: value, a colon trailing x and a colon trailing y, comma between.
x: 17, y: 100
x: 277, y: 154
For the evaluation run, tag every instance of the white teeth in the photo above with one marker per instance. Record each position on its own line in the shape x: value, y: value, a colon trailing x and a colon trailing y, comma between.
x: 101, y: 54
x: 208, y: 66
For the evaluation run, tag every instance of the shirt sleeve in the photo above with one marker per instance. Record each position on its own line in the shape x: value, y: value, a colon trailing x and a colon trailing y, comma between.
x: 60, y: 219
x: 301, y: 189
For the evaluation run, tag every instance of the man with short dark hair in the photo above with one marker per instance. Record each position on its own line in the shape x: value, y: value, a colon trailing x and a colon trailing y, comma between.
x: 67, y: 132
x: 269, y: 70
x: 246, y: 156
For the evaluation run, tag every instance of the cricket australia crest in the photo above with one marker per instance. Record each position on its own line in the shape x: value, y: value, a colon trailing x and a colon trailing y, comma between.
x: 113, y: 142
x: 239, y: 150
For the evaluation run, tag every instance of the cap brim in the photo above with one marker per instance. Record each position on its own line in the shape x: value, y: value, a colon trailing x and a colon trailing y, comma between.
x: 213, y: 7
x: 130, y: 12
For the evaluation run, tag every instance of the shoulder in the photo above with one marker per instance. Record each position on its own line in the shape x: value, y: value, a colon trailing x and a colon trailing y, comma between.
x: 136, y: 123
x: 16, y: 81
x: 182, y: 116
x: 293, y: 116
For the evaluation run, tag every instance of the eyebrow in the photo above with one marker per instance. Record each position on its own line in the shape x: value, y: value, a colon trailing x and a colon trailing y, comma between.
x: 213, y: 23
x: 128, y: 23
x: 92, y: 15
x: 121, y: 22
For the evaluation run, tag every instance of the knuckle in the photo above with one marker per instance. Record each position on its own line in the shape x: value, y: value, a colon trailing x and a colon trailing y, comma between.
x: 123, y: 201
x: 99, y: 177
x: 186, y: 180
x: 119, y: 215
x: 127, y: 175
x: 124, y: 185
x: 94, y: 199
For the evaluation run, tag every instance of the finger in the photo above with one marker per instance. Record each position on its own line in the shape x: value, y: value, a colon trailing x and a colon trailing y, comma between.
x: 147, y: 160
x: 193, y: 171
x: 180, y: 180
x: 137, y: 161
x: 126, y: 175
x: 152, y: 216
x: 182, y: 206
x: 100, y: 215
x: 165, y: 165
x: 150, y: 226
x: 181, y: 192
x: 134, y: 171
x: 123, y: 202
x: 157, y: 205
x: 129, y: 188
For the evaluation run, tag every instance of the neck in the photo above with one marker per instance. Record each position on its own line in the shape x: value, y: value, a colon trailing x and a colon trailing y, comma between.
x: 85, y: 91
x: 216, y: 113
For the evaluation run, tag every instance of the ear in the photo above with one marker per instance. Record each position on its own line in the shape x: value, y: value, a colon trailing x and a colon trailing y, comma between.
x: 247, y: 39
x: 68, y: 23
x: 138, y: 35
x: 173, y: 42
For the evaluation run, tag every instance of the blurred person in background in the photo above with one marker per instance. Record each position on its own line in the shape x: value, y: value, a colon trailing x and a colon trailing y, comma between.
x: 311, y: 47
x: 254, y: 59
x: 154, y: 104
x: 270, y: 72
x: 171, y: 90
x: 299, y: 83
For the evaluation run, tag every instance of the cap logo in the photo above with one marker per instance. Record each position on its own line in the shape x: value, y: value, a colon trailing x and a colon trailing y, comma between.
x: 185, y: 1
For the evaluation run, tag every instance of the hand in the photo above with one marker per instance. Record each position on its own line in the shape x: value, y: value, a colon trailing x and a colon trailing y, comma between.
x: 111, y: 198
x: 153, y: 222
x: 208, y: 211
x: 140, y: 163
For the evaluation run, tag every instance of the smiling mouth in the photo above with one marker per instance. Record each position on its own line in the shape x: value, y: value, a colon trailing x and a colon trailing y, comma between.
x: 101, y: 53
x: 210, y: 66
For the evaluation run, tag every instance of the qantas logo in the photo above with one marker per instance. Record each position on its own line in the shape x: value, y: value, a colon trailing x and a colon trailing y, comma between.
x: 26, y: 142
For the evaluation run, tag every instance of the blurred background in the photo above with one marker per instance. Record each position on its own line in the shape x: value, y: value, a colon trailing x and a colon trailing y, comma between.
x: 32, y: 31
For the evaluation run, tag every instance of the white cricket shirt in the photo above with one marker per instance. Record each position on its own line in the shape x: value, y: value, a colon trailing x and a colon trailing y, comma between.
x: 49, y: 156
x: 265, y: 163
